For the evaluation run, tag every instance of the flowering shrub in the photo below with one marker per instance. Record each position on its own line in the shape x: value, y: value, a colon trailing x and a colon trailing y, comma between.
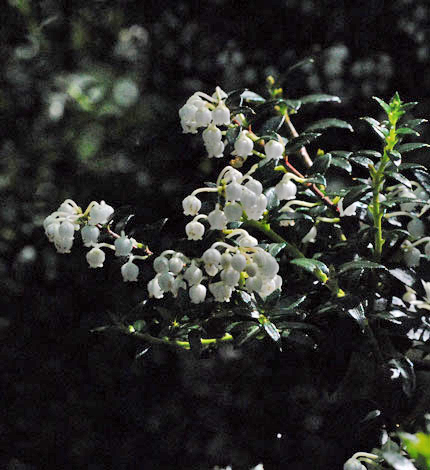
x: 275, y: 249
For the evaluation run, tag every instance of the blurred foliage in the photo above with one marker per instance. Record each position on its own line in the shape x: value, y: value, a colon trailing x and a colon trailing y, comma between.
x: 88, y: 105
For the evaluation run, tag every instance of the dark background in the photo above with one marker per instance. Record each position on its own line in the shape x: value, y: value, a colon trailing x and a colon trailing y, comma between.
x: 78, y: 400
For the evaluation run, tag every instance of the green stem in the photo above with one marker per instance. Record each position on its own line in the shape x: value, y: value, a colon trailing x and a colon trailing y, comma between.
x: 129, y: 331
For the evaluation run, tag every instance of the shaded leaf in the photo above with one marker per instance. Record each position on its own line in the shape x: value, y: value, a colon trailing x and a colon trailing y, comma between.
x: 272, y: 125
x: 358, y: 314
x: 403, y: 367
x: 411, y: 166
x: 399, y: 178
x: 385, y: 106
x: 247, y: 334
x: 359, y: 265
x: 303, y: 139
x: 355, y: 194
x: 301, y: 63
x: 361, y: 161
x: 406, y: 131
x: 413, y: 123
x: 368, y: 153
x: 376, y: 126
x: 398, y: 461
x: 341, y: 153
x: 326, y: 123
x: 371, y: 416
x: 317, y: 179
x: 319, y: 98
x: 423, y: 178
x: 272, y: 199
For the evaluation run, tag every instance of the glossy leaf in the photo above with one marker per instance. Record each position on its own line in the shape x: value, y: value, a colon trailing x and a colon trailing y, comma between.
x: 404, y: 275
x: 319, y: 98
x: 407, y: 131
x: 251, y: 97
x: 399, y: 178
x: 423, y: 177
x: 404, y: 148
x: 321, y: 164
x: 364, y: 162
x: 271, y: 331
x: 377, y: 127
x: 359, y: 265
x: 272, y: 199
x: 403, y: 367
x: 317, y: 179
x: 341, y: 153
x: 327, y: 123
x: 385, y: 106
x: 355, y: 194
x: 413, y: 123
x: 341, y: 163
x: 275, y: 248
x: 303, y: 139
x: 398, y: 461
x: 310, y: 264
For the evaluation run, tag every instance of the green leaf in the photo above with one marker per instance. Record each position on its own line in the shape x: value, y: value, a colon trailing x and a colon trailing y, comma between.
x: 301, y: 63
x: 399, y: 178
x: 232, y: 134
x: 290, y: 105
x: 406, y: 131
x: 275, y: 248
x: 403, y: 367
x: 355, y: 194
x: 272, y: 199
x: 271, y: 331
x: 423, y: 178
x: 250, y: 96
x: 395, y: 157
x: 272, y: 125
x: 403, y: 275
x: 398, y: 461
x: 357, y: 313
x: 368, y: 153
x: 294, y: 216
x: 417, y: 445
x: 317, y: 179
x: 341, y: 153
x: 364, y: 162
x: 247, y: 334
x: 341, y: 163
x: 319, y: 98
x: 359, y: 265
x: 310, y: 264
x: 408, y: 106
x: 303, y: 139
x: 404, y: 148
x: 326, y: 123
x: 321, y: 164
x: 411, y: 166
x: 385, y: 106
x: 287, y: 305
x: 377, y: 127
x: 413, y: 123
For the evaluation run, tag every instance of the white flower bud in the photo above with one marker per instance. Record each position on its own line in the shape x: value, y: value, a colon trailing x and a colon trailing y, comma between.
x: 129, y: 272
x: 310, y: 237
x: 230, y: 277
x: 270, y: 268
x: 247, y: 241
x: 243, y: 145
x: 90, y: 235
x: 123, y: 245
x: 225, y: 260
x: 52, y: 231
x: 211, y: 135
x: 96, y: 257
x: 220, y: 291
x: 267, y: 288
x: 193, y: 274
x: 221, y: 115
x: 416, y: 228
x: 176, y: 264
x: 188, y: 112
x: 66, y: 229
x: 256, y: 211
x: 238, y: 262
x: 353, y: 464
x: 248, y: 198
x: 427, y: 249
x: 100, y: 213
x: 165, y: 281
x: 203, y: 117
x: 194, y: 230
x: 409, y: 296
x: 197, y: 293
x: 255, y: 186
x: 232, y: 174
x: 233, y: 191
x: 154, y: 289
x: 273, y: 149
x: 191, y: 205
x: 412, y: 257
x: 211, y: 256
x: 233, y: 212
x: 217, y: 219
x: 161, y: 264
x: 178, y: 283
x: 285, y: 189
x: 63, y: 244
x: 254, y: 284
x: 251, y: 269
x: 278, y: 281
x: 215, y: 149
x: 211, y: 269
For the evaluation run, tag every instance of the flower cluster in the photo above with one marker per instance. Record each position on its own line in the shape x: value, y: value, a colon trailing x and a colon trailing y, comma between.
x: 224, y: 267
x: 61, y: 225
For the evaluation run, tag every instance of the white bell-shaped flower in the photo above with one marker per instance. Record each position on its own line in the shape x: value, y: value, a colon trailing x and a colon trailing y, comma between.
x: 63, y: 244
x: 90, y: 235
x: 154, y: 289
x: 176, y: 264
x: 273, y: 149
x: 197, y: 293
x: 412, y: 257
x: 233, y: 212
x: 165, y: 281
x: 416, y: 228
x: 215, y: 150
x: 161, y: 264
x: 211, y: 135
x: 203, y: 117
x: 255, y: 186
x: 129, y: 272
x: 233, y: 191
x: 96, y: 257
x: 123, y: 245
x: 221, y: 114
x: 194, y: 230
x: 217, y: 219
x: 243, y: 145
x: 221, y: 291
x: 100, y: 213
x: 66, y: 229
x: 211, y: 256
x: 285, y: 189
x: 230, y: 277
x: 191, y: 205
x: 193, y: 274
x: 238, y: 262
